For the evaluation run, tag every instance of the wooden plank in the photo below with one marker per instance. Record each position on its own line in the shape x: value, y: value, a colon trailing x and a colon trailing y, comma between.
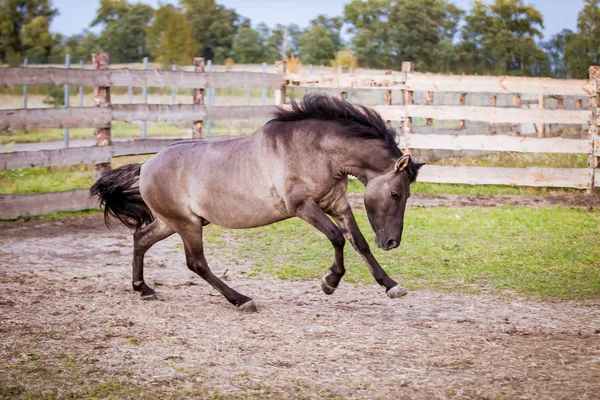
x: 17, y: 205
x: 579, y: 178
x: 81, y: 117
x: 140, y: 146
x: 91, y: 117
x: 158, y: 112
x: 499, y: 84
x: 495, y: 143
x: 347, y: 81
x: 240, y: 112
x: 496, y: 114
x: 81, y: 155
x: 47, y: 158
x: 53, y: 118
x: 187, y: 112
x: 138, y: 78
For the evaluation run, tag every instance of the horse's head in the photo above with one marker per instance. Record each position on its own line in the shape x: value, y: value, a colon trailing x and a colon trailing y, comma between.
x: 385, y: 200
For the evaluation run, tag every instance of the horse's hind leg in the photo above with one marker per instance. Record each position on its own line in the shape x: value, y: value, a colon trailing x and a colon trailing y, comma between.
x: 143, y: 239
x: 194, y: 253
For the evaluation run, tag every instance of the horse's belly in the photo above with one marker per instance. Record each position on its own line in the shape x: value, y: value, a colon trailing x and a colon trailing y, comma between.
x: 243, y: 216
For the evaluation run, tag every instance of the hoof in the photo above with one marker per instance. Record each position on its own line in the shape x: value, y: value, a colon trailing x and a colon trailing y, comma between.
x: 248, y: 307
x: 327, y: 288
x: 396, y: 292
x: 148, y: 296
x: 147, y: 293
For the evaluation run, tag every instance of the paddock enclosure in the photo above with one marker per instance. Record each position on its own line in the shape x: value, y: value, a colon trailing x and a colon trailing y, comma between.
x: 71, y: 327
x: 513, y: 114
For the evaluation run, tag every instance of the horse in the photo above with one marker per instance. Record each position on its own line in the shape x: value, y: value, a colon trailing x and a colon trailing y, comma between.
x: 296, y: 165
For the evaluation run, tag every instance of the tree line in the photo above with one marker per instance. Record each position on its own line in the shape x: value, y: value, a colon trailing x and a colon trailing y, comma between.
x: 503, y: 37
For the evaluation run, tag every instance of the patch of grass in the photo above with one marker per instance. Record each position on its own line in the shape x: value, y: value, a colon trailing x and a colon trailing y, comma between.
x: 548, y: 253
x: 517, y: 160
x: 355, y: 186
x: 55, y: 179
x: 52, y: 216
x: 46, y: 179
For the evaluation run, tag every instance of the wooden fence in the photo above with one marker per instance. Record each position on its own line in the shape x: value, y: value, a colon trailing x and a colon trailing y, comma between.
x: 406, y: 82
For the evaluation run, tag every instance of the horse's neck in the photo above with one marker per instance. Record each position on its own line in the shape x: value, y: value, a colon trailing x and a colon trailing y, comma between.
x: 365, y: 161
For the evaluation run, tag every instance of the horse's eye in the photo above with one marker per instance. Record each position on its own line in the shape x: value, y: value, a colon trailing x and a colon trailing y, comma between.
x: 395, y: 196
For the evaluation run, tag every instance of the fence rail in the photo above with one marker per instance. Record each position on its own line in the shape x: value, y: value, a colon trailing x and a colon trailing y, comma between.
x: 405, y: 81
x: 138, y: 78
x: 95, y: 117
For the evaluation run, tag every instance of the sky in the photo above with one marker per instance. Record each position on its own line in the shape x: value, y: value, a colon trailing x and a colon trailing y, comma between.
x: 76, y: 15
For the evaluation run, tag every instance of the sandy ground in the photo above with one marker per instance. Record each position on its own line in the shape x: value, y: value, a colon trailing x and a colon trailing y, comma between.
x: 65, y: 297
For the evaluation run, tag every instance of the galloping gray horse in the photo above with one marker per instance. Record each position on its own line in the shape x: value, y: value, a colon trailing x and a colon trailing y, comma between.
x: 296, y: 165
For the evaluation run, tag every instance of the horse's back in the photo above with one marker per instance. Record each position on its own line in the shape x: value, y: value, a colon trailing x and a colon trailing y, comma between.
x: 229, y: 183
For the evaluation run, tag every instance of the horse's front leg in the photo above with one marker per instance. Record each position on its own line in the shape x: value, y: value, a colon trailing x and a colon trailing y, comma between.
x: 310, y: 212
x: 342, y: 213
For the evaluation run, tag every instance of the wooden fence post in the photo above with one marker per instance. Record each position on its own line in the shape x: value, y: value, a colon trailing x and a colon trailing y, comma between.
x: 578, y: 105
x: 493, y: 102
x: 408, y: 67
x: 281, y: 68
x: 102, y: 99
x: 517, y: 104
x: 463, y: 101
x: 342, y: 95
x: 541, y: 127
x: 388, y: 98
x: 594, y: 122
x: 198, y: 98
x: 429, y: 100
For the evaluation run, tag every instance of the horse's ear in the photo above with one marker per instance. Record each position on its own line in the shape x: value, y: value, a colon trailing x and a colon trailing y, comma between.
x: 419, y: 165
x: 402, y: 163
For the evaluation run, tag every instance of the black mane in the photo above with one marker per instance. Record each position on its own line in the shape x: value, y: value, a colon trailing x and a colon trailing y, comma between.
x: 363, y: 121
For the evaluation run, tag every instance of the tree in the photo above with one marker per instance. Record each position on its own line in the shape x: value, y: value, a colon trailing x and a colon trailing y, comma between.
x: 81, y: 46
x: 249, y: 45
x: 388, y: 32
x: 320, y: 42
x: 369, y: 24
x: 316, y: 46
x: 556, y: 49
x: 283, y: 41
x: 216, y: 27
x: 24, y: 29
x: 171, y: 37
x: 423, y: 31
x: 582, y: 49
x: 500, y: 38
x: 124, y: 29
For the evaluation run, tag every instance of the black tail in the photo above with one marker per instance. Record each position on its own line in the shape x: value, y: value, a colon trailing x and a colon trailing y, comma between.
x: 119, y: 195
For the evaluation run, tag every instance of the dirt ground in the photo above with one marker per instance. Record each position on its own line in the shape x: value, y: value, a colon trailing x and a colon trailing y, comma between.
x: 71, y: 327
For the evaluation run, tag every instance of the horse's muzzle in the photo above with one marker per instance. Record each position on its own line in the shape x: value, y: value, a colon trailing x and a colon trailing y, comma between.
x: 387, y: 244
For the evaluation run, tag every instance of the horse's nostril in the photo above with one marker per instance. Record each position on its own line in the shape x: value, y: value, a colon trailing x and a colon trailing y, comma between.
x: 390, y: 244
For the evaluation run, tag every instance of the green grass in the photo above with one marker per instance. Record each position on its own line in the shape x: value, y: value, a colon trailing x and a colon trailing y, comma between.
x: 448, y: 188
x: 548, y: 253
x: 54, y: 179
x: 518, y: 160
x: 51, y: 179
